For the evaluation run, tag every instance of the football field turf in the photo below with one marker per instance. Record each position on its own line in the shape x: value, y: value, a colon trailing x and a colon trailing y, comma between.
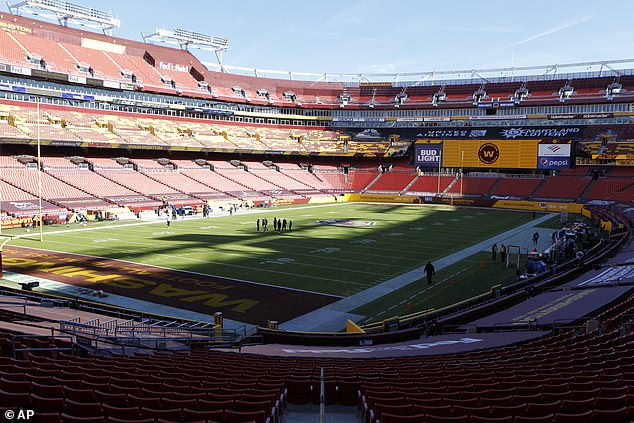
x: 336, y: 250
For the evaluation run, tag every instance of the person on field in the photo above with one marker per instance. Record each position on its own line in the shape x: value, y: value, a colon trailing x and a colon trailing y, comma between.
x: 257, y: 224
x: 429, y: 272
x: 494, y: 251
x: 283, y: 224
x: 502, y: 253
x: 535, y: 238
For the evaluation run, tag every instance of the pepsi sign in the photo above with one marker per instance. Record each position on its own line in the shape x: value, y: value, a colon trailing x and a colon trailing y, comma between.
x: 550, y: 162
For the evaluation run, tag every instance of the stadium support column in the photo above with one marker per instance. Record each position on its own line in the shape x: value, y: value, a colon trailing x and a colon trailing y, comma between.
x: 439, y: 164
x: 461, y: 171
x: 39, y: 170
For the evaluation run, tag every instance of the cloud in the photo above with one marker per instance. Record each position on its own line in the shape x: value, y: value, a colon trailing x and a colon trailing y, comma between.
x: 564, y: 25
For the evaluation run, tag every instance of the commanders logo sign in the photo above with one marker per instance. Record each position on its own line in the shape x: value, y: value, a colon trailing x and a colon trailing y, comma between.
x: 488, y: 153
x: 348, y: 223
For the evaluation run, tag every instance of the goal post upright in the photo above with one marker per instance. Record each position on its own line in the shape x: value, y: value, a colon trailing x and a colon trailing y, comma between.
x: 513, y: 256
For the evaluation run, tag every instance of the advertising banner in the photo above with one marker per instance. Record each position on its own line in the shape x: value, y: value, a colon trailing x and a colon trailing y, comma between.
x: 554, y: 154
x: 428, y: 154
x: 503, y: 133
x: 490, y: 154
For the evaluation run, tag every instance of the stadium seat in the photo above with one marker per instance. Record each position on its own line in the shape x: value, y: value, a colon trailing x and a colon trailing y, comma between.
x: 167, y: 414
x: 138, y: 420
x: 534, y: 419
x: 82, y: 409
x: 196, y: 415
x: 113, y: 399
x: 430, y: 418
x: 299, y: 391
x: 391, y: 418
x: 583, y: 417
x: 482, y: 419
x: 120, y: 412
x: 47, y: 404
x: 75, y: 419
x: 242, y: 416
x: 15, y: 399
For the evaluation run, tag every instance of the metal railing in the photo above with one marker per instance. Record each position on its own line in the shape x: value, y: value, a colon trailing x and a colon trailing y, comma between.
x: 49, y: 338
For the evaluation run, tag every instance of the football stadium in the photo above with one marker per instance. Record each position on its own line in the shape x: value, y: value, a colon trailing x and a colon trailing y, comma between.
x: 183, y: 241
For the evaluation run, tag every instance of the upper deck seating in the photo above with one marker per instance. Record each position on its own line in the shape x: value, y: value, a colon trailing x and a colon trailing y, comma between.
x: 12, y: 52
x: 56, y: 57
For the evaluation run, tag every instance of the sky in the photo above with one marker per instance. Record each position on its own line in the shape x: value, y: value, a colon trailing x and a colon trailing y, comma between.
x: 390, y: 36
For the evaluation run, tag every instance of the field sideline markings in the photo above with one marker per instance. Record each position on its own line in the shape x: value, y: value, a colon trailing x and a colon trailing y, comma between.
x: 379, y: 250
x: 228, y: 264
x: 280, y: 243
x: 197, y: 250
x: 110, y: 225
x: 196, y: 273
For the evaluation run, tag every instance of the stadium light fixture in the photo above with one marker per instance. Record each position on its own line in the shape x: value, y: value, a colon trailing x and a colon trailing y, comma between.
x: 67, y: 12
x: 400, y: 98
x: 373, y: 101
x: 439, y: 97
x: 613, y: 90
x: 566, y: 92
x: 478, y: 95
x: 344, y: 98
x: 188, y: 39
x: 520, y: 94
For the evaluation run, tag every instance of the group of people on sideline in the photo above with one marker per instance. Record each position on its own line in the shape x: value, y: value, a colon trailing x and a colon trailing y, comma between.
x: 279, y: 225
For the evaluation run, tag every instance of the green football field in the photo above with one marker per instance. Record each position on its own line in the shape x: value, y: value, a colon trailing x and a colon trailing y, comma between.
x: 337, y: 249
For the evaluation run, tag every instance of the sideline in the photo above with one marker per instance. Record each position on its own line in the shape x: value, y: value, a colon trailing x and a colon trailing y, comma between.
x: 331, y: 318
x: 158, y: 220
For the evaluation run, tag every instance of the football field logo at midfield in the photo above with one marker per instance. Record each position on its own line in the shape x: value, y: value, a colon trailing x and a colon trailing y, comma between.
x: 488, y: 153
x: 348, y: 223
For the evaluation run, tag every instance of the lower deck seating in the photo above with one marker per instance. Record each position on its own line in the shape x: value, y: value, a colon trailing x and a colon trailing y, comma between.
x: 392, y: 181
x: 430, y: 184
x: 472, y: 185
x: 517, y: 187
x: 564, y: 187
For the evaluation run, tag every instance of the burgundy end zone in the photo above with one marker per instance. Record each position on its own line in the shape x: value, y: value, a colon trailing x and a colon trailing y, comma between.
x: 237, y: 300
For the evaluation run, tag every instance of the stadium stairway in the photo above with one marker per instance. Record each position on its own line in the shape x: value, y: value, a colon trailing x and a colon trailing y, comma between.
x: 538, y: 187
x: 587, y: 189
x: 409, y: 185
x: 335, y: 413
x: 455, y: 180
x: 492, y: 187
x: 371, y: 183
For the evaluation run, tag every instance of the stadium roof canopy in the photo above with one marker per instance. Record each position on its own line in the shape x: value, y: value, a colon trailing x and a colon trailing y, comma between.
x: 605, y: 68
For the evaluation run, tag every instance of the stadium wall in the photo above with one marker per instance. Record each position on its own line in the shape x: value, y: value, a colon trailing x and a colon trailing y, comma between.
x: 543, y: 206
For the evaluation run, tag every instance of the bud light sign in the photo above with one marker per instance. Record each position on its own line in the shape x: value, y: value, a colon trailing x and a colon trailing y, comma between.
x: 428, y: 155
